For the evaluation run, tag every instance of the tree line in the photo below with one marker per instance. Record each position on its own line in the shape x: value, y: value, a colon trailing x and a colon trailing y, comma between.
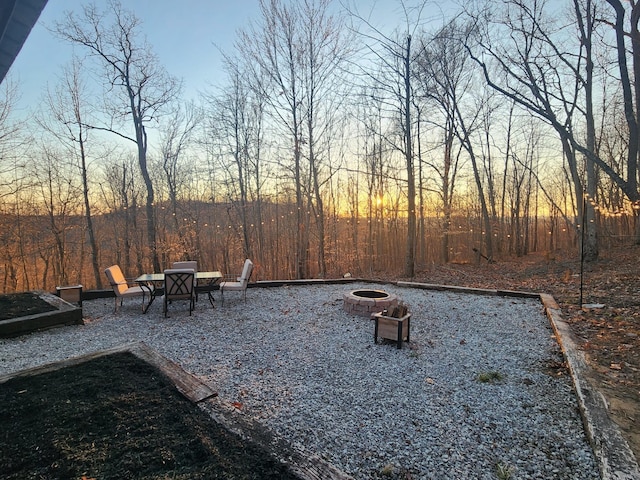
x: 333, y: 146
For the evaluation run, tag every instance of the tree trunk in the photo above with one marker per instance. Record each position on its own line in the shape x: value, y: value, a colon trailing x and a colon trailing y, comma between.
x: 141, y: 141
x: 95, y: 262
x: 409, y: 268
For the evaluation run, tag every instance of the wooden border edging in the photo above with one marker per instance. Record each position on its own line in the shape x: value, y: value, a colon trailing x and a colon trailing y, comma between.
x: 304, y: 464
x: 307, y: 466
x: 188, y: 385
x: 309, y: 281
x: 70, y: 362
x: 476, y: 291
x: 615, y: 459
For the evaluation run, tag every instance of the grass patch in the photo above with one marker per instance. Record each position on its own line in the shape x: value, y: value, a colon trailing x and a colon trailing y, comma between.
x: 504, y: 471
x: 490, y: 377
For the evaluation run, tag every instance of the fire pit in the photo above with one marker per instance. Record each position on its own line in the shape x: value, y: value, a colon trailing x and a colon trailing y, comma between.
x: 366, y: 302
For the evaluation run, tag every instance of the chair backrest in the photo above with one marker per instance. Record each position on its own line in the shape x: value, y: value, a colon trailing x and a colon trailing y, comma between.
x: 116, y: 279
x: 179, y: 282
x: 192, y: 264
x: 246, y: 271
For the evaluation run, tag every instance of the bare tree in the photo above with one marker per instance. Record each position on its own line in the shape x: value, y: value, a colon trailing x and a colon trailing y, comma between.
x: 540, y: 71
x: 326, y: 50
x: 60, y: 197
x: 293, y: 56
x: 13, y: 179
x: 120, y: 195
x: 137, y: 88
x: 236, y: 124
x: 407, y: 95
x: 397, y: 56
x: 175, y: 137
x: 631, y: 98
x: 66, y: 120
x: 518, y: 189
x: 273, y: 52
x: 443, y: 77
x: 586, y: 25
x: 10, y: 139
x: 375, y: 166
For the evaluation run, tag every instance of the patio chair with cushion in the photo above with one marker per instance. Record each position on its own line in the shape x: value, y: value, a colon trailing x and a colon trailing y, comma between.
x: 179, y: 284
x: 241, y: 284
x: 121, y: 287
x: 187, y: 264
x: 192, y: 264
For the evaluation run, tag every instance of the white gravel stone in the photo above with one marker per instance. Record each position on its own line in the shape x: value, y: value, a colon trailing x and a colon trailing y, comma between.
x: 312, y: 374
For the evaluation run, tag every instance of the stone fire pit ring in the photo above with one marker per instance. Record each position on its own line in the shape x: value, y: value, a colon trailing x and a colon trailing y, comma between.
x: 364, y: 302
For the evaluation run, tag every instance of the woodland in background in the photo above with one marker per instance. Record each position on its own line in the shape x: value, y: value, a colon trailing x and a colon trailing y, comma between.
x: 212, y: 234
x: 489, y: 130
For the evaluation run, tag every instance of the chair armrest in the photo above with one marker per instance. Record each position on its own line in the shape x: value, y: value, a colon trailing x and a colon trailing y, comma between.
x: 148, y: 286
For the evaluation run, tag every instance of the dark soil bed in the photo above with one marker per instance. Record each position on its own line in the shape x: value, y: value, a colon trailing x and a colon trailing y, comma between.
x: 14, y: 305
x: 118, y: 417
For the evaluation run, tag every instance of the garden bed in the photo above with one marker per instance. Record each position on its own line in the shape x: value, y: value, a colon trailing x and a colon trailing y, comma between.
x: 129, y: 413
x: 22, y: 313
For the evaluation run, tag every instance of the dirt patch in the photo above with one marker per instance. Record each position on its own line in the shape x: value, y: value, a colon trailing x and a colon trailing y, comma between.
x: 15, y: 305
x: 118, y: 417
x: 609, y: 336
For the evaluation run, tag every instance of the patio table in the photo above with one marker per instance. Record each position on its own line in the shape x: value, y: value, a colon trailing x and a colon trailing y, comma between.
x: 148, y: 281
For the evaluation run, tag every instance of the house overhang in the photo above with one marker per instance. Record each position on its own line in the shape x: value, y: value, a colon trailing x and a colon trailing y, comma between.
x: 17, y: 18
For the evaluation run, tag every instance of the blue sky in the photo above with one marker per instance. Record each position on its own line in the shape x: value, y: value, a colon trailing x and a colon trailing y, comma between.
x: 185, y: 34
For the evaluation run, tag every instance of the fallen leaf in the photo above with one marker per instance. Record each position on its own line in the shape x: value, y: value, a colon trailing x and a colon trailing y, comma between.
x: 237, y: 405
x: 616, y: 366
